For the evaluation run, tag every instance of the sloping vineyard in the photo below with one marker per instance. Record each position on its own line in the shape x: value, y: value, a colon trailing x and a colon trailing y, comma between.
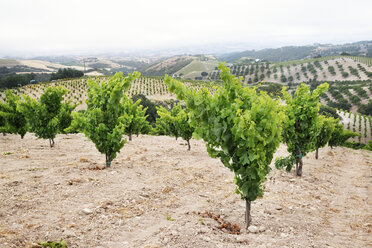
x: 77, y: 88
x: 357, y: 123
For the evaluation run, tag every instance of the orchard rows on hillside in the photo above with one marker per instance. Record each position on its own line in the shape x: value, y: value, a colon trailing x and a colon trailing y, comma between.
x: 328, y: 68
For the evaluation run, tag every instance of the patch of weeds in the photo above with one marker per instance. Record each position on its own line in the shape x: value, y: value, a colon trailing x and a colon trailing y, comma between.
x: 54, y: 244
x: 170, y: 218
x: 201, y: 221
x: 7, y: 153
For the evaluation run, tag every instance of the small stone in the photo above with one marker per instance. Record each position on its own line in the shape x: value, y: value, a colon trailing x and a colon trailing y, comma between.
x: 253, y: 229
x: 206, y: 238
x: 283, y: 235
x: 278, y: 208
x: 174, y: 233
x: 87, y: 211
x: 262, y: 228
x: 267, y: 211
x: 69, y: 233
x: 240, y: 239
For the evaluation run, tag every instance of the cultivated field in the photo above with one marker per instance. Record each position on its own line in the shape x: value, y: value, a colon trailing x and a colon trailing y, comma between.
x: 157, y: 194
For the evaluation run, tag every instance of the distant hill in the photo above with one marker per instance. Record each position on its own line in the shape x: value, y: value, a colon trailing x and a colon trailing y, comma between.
x: 361, y: 48
x: 168, y: 66
x: 336, y: 68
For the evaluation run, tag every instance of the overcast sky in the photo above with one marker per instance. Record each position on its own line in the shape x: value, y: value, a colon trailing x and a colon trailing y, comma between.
x: 50, y: 26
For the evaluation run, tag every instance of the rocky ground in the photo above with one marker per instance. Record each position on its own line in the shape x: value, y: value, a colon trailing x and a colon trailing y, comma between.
x: 158, y: 194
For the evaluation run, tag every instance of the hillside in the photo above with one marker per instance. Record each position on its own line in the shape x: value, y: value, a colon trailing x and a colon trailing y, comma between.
x: 36, y: 66
x: 361, y: 48
x: 340, y: 68
x: 195, y: 69
x: 168, y: 66
x: 91, y: 65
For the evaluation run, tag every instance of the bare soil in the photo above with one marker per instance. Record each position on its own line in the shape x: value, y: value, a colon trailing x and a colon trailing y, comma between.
x: 158, y: 194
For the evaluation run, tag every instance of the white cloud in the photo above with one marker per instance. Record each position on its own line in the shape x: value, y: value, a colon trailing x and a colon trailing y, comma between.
x: 51, y: 25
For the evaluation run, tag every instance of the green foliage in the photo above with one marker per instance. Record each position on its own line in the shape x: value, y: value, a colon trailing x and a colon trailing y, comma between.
x: 185, y: 130
x: 165, y: 124
x: 151, y: 113
x: 366, y: 109
x: 66, y: 73
x: 285, y: 162
x: 301, y: 123
x: 16, y: 80
x: 328, y: 112
x: 340, y: 136
x: 48, y: 116
x: 273, y: 89
x: 13, y: 121
x: 283, y: 78
x: 175, y: 123
x: 54, y: 244
x: 105, y: 119
x: 239, y: 126
x: 136, y: 116
x: 368, y: 146
x: 326, y: 128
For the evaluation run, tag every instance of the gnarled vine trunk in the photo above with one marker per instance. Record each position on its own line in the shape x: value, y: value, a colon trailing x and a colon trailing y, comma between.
x: 248, y: 217
x: 316, y: 153
x: 299, y: 166
x: 108, y: 160
x: 188, y: 143
x: 51, y: 142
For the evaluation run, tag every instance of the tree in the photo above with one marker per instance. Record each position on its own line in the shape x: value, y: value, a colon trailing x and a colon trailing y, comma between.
x: 328, y: 111
x: 2, y: 125
x: 66, y: 73
x: 185, y: 130
x: 48, y: 116
x: 13, y: 120
x: 105, y: 119
x: 149, y: 106
x: 301, y: 124
x: 326, y: 128
x: 137, y: 117
x: 239, y: 126
x: 166, y: 124
x: 340, y: 136
x: 175, y: 123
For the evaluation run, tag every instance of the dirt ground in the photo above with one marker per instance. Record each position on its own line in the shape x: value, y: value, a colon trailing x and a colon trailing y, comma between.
x: 156, y: 192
